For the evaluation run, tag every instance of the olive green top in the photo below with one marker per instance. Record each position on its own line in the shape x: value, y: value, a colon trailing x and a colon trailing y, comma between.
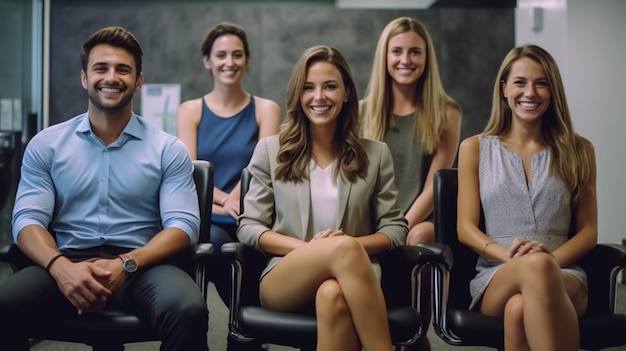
x: 408, y: 159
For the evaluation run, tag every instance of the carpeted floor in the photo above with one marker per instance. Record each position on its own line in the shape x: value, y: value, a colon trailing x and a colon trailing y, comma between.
x: 218, y: 330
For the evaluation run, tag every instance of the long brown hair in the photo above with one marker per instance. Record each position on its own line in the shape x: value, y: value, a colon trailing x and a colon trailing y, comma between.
x: 570, y: 161
x: 294, y: 153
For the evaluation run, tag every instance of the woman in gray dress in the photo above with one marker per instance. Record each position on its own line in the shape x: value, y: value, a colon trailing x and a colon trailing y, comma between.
x: 535, y: 180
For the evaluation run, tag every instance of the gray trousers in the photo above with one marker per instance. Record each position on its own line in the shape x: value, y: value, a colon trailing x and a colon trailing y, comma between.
x: 164, y: 296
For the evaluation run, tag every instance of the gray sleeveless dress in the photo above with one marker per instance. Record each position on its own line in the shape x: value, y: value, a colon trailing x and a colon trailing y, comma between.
x: 539, y: 210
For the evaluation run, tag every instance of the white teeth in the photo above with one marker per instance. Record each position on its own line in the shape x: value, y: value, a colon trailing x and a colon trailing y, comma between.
x: 110, y: 90
x: 320, y: 108
x: 529, y: 104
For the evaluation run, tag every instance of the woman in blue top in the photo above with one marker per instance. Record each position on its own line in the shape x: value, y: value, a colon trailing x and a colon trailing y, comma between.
x: 223, y: 127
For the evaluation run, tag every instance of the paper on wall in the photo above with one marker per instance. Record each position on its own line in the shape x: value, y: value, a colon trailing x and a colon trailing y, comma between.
x: 159, y: 103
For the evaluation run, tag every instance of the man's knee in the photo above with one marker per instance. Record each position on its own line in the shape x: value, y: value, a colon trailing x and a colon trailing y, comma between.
x: 191, y: 316
x: 182, y: 302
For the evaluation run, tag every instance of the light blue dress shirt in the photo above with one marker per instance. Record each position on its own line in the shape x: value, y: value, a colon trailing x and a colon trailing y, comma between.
x: 90, y: 194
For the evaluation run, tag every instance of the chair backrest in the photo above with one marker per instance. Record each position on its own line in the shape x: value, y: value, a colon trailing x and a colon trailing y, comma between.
x: 601, y: 266
x: 444, y: 213
x: 203, y: 177
x: 244, y: 184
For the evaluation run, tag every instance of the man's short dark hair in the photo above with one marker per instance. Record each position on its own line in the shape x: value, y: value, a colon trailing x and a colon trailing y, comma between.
x: 114, y: 36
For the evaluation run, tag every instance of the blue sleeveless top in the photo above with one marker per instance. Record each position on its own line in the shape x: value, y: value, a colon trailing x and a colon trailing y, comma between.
x: 228, y: 143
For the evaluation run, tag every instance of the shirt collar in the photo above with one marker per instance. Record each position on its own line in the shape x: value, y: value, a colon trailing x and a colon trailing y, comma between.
x: 133, y: 128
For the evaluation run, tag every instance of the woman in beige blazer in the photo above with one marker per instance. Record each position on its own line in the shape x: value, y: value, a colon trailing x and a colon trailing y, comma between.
x: 322, y: 204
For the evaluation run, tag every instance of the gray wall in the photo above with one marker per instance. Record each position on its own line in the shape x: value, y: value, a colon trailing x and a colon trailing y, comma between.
x: 470, y: 45
x: 15, y: 75
x: 16, y: 51
x: 11, y: 47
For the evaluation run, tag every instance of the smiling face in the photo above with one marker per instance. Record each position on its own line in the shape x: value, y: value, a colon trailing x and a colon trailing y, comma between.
x: 111, y: 78
x: 323, y: 94
x: 406, y: 57
x: 526, y: 90
x: 227, y: 61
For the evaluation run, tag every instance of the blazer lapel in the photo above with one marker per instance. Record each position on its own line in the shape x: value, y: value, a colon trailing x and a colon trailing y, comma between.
x: 344, y: 187
x: 303, y: 190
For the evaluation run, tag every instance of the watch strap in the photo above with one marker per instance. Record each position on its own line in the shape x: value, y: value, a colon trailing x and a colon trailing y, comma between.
x: 123, y: 257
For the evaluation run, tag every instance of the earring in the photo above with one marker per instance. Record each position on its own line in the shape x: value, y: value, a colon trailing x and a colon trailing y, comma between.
x: 346, y: 100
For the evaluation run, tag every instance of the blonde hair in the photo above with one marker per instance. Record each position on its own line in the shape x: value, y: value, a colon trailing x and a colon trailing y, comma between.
x: 430, y: 116
x: 570, y: 161
x: 294, y: 153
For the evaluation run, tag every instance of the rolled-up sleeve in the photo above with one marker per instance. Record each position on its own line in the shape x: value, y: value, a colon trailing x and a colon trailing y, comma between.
x: 390, y: 219
x: 35, y: 197
x: 178, y: 197
x: 259, y: 199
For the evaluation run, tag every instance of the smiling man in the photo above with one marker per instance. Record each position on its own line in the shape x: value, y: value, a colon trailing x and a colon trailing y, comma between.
x: 106, y: 208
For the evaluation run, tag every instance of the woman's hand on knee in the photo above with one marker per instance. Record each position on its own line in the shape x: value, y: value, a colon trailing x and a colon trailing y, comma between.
x: 328, y: 233
x: 522, y: 246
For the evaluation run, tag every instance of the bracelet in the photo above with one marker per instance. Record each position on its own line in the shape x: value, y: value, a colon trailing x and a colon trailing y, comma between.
x: 52, y: 261
x: 485, y: 246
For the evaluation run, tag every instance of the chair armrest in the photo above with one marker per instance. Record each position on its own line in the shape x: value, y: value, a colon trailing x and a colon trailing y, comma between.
x: 4, y: 252
x: 235, y: 251
x: 603, y: 265
x: 202, y: 252
x: 12, y: 255
x: 440, y: 254
x: 611, y: 255
x: 401, y: 273
x: 408, y: 257
x: 251, y: 261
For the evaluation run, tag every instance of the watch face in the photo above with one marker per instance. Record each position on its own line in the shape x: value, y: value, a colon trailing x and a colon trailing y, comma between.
x: 130, y: 265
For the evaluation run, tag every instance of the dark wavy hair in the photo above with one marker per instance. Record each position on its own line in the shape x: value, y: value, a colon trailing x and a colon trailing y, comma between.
x: 221, y: 29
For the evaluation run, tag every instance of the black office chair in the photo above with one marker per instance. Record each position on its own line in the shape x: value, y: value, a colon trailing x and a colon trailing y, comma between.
x: 107, y: 330
x: 249, y: 321
x: 454, y: 323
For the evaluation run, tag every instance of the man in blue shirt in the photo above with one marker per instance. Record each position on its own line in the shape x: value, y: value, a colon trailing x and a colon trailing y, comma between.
x: 119, y: 196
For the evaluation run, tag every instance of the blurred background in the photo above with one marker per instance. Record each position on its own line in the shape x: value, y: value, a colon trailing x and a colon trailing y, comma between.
x: 40, y: 42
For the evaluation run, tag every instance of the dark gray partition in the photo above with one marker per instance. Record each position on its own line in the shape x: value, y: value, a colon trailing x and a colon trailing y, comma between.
x: 470, y: 45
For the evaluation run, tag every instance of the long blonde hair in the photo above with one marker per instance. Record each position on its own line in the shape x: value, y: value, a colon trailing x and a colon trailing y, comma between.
x: 430, y: 116
x: 294, y: 153
x: 570, y: 161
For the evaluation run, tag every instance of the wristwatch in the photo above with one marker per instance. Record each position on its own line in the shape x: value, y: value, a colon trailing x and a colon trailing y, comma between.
x: 129, y: 265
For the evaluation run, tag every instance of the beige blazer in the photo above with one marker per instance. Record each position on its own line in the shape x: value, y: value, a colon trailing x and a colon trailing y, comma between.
x: 366, y: 206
